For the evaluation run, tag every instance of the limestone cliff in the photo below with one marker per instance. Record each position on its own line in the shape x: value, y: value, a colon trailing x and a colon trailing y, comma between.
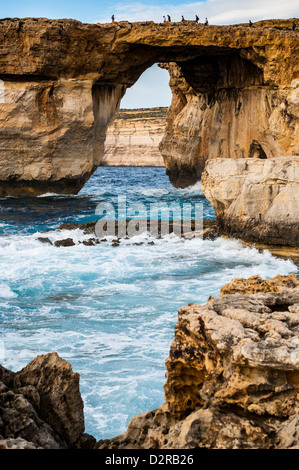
x: 133, y: 138
x: 235, y: 95
x: 257, y: 200
x: 232, y: 374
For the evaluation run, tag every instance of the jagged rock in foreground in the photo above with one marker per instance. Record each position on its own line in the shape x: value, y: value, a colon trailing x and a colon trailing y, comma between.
x: 232, y: 374
x: 41, y: 406
x: 133, y: 138
x: 255, y: 199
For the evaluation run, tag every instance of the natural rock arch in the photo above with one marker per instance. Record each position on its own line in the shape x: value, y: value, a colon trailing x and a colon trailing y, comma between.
x: 64, y: 81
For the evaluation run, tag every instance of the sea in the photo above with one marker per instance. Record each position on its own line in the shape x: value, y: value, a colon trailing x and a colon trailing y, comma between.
x: 110, y: 309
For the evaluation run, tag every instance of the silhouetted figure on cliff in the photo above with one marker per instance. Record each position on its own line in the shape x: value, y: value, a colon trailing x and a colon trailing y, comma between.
x: 196, y: 19
x: 294, y: 26
x: 250, y: 23
x: 183, y: 19
x: 112, y: 18
x: 168, y: 18
x: 206, y: 22
x: 164, y: 19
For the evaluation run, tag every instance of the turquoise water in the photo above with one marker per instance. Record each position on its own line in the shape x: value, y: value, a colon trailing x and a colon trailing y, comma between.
x: 110, y: 311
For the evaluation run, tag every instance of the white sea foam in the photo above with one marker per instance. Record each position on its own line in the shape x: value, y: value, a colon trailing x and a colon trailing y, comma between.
x: 49, y: 195
x: 154, y: 192
x: 6, y: 292
x: 195, y: 188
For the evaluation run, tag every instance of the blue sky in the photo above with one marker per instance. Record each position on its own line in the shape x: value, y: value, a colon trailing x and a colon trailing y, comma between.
x: 152, y: 87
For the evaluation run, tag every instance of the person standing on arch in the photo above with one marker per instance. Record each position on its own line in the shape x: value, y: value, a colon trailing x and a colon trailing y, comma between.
x: 206, y: 22
x: 112, y: 18
x: 168, y: 18
x: 196, y: 19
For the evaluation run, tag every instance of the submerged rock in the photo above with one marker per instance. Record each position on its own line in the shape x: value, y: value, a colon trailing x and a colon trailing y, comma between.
x: 45, y: 240
x: 65, y: 242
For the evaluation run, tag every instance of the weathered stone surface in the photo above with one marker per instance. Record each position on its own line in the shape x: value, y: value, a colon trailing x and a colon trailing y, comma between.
x: 232, y: 376
x: 254, y: 199
x: 41, y: 406
x: 18, y: 443
x: 133, y: 138
x: 256, y: 284
x: 235, y: 95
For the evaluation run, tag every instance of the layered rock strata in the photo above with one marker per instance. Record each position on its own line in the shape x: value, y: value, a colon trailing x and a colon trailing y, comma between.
x: 235, y: 95
x: 232, y: 374
x: 133, y: 138
x: 257, y: 200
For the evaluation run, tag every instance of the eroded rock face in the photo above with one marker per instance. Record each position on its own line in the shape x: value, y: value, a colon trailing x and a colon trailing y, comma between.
x: 41, y: 406
x: 232, y: 375
x: 235, y: 95
x: 236, y: 114
x: 257, y: 200
x: 133, y: 138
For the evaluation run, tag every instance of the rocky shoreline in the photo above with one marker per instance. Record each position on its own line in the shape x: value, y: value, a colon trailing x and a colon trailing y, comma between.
x: 232, y: 381
x: 210, y: 231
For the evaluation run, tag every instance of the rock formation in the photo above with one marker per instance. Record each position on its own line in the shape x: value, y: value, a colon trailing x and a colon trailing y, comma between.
x: 41, y: 406
x: 232, y: 374
x: 235, y: 95
x: 255, y: 199
x: 133, y: 138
